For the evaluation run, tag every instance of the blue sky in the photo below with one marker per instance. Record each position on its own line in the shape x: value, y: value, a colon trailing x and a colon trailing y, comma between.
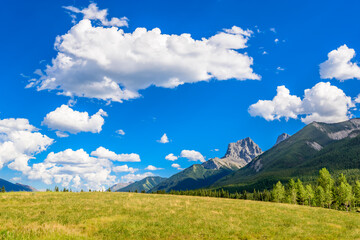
x: 286, y: 40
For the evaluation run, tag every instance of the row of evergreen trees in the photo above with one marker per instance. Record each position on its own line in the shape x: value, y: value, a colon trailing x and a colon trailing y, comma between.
x: 329, y: 193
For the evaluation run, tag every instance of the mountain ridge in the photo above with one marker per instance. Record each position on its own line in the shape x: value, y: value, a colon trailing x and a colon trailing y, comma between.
x: 144, y: 184
x: 202, y: 175
x: 17, y: 187
x: 296, y: 156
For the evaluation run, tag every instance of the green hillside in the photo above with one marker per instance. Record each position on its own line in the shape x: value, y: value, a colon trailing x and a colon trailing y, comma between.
x: 143, y: 185
x: 193, y: 177
x: 318, y: 145
x: 109, y: 215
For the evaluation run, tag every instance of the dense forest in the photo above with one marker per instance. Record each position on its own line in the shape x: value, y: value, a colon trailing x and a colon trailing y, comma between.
x: 327, y: 192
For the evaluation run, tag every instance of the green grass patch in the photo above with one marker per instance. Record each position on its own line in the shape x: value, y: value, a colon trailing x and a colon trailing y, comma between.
x: 106, y: 215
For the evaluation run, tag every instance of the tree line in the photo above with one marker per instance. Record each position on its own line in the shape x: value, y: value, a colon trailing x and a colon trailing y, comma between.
x: 327, y: 192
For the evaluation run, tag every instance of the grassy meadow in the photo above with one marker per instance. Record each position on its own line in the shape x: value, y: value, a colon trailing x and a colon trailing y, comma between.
x: 105, y: 215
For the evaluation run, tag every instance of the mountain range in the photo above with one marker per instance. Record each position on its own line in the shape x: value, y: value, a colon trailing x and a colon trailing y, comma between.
x: 334, y: 146
x: 244, y: 166
x: 17, y: 187
x: 203, y: 175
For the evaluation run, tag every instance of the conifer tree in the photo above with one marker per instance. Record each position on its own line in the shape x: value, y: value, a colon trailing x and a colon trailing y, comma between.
x: 3, y: 189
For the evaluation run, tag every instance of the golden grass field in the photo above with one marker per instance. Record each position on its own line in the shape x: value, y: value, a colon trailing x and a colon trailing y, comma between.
x: 105, y: 215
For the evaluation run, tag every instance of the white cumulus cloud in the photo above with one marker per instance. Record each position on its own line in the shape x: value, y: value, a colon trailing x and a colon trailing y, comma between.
x: 171, y: 157
x: 164, y: 139
x: 96, y: 61
x: 192, y: 155
x: 73, y: 168
x: 152, y: 168
x: 64, y: 119
x: 322, y: 103
x: 102, y: 152
x: 19, y: 142
x: 339, y: 65
x: 124, y: 168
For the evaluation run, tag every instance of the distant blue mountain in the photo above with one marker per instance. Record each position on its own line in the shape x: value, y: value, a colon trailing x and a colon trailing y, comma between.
x: 17, y: 187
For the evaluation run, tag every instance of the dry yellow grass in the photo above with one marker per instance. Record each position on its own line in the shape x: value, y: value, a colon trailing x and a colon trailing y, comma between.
x: 146, y: 216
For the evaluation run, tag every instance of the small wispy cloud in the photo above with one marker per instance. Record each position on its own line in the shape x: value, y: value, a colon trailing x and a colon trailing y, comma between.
x: 177, y: 166
x: 152, y: 168
x: 120, y: 132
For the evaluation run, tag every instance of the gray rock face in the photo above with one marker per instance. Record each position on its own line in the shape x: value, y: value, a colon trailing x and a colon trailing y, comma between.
x: 350, y: 128
x: 237, y: 155
x: 314, y: 145
x: 119, y: 186
x: 282, y: 137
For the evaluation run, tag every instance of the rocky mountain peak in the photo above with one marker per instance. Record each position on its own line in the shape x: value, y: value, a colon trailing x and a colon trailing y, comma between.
x: 238, y: 155
x: 282, y: 137
x: 245, y: 149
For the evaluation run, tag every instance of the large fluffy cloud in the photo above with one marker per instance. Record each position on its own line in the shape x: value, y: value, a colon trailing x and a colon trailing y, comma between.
x: 192, y: 155
x: 19, y: 142
x: 64, y: 119
x: 73, y: 168
x: 339, y: 65
x: 109, y: 64
x: 79, y: 169
x: 282, y: 105
x: 102, y: 152
x: 323, y: 103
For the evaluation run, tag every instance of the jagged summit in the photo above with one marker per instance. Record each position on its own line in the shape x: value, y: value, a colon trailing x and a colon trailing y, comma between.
x: 238, y: 155
x: 282, y: 137
x: 338, y: 131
